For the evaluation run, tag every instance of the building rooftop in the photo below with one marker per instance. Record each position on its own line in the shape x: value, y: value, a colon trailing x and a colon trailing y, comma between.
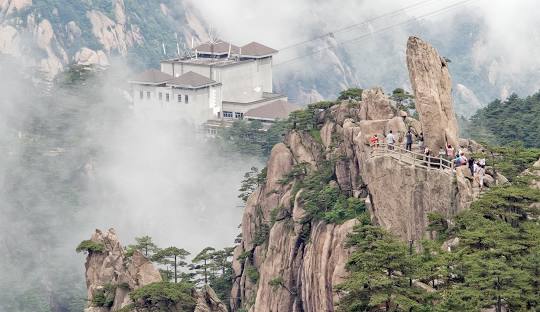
x: 255, y: 49
x: 151, y: 76
x: 191, y: 80
x: 219, y: 48
x: 272, y: 111
x: 204, y: 61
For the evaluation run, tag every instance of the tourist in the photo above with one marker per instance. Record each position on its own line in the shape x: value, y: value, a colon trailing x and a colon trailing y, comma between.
x: 464, y: 159
x: 482, y: 161
x: 442, y: 152
x: 472, y: 165
x: 457, y: 160
x: 427, y: 158
x: 421, y: 141
x: 481, y: 173
x: 408, y: 138
x: 374, y: 141
x: 390, y: 140
x: 450, y: 151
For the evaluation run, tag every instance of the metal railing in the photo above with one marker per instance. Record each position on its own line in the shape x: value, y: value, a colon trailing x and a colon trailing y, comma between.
x: 409, y: 157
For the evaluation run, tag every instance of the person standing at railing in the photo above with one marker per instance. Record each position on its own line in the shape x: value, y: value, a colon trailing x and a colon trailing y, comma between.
x: 421, y: 141
x: 450, y: 151
x: 374, y: 141
x: 442, y: 155
x: 390, y: 140
x: 408, y: 140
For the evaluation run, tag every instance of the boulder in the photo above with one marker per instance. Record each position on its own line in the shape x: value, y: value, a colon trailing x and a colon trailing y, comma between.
x: 450, y: 244
x: 376, y: 105
x: 208, y: 301
x: 430, y: 80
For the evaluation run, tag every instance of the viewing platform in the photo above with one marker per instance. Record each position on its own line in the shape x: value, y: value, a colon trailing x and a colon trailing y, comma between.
x: 412, y: 158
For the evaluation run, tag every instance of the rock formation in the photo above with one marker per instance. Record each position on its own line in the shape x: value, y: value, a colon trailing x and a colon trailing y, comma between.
x: 111, y: 267
x: 207, y: 301
x: 114, y: 275
x: 432, y: 86
x: 289, y: 260
x: 53, y: 35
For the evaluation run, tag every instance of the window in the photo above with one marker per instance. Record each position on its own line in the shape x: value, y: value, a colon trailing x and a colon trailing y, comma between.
x: 141, y: 94
x: 160, y: 96
x: 167, y: 97
x: 148, y: 95
x: 186, y: 99
x: 238, y: 115
x: 227, y: 114
x: 179, y: 98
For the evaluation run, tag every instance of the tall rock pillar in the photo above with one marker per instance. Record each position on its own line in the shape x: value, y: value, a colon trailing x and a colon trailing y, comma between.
x: 432, y: 88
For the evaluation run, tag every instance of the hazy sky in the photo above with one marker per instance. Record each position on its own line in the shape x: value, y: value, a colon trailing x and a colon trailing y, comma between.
x: 505, y: 50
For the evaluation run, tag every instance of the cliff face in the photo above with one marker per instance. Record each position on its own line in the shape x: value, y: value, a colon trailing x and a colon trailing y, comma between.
x: 288, y: 259
x: 49, y: 35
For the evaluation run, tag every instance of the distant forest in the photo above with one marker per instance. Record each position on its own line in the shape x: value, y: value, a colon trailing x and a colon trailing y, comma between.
x: 504, y: 122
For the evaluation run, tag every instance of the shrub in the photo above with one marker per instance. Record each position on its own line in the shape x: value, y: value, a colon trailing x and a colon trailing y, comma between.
x: 90, y: 246
x: 252, y: 274
x: 165, y: 296
x: 104, y: 297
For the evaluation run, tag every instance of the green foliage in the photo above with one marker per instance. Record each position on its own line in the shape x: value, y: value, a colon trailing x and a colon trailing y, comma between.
x: 90, y: 246
x: 344, y: 209
x: 323, y: 199
x: 104, y: 297
x: 163, y: 296
x: 173, y: 256
x: 261, y: 234
x: 404, y: 100
x: 251, y: 181
x: 351, y: 94
x: 381, y: 268
x: 249, y: 138
x: 511, y: 160
x: 252, y: 274
x: 143, y: 244
x: 503, y: 122
x: 495, y: 264
x: 316, y: 135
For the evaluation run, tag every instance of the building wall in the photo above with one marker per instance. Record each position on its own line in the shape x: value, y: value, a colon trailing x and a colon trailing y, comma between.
x: 197, y: 111
x: 265, y: 74
x: 241, y: 82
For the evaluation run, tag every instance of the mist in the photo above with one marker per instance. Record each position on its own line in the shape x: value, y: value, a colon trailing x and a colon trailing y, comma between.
x: 492, y: 44
x: 75, y: 159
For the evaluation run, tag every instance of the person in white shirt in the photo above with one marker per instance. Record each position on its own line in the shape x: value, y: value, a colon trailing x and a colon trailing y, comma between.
x: 390, y: 140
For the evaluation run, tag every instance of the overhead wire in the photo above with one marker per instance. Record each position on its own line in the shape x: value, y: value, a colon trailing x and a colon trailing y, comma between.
x: 363, y: 23
x: 416, y: 18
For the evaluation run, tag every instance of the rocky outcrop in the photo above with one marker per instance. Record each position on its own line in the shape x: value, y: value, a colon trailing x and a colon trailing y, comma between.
x: 291, y: 260
x: 208, y: 301
x: 432, y: 86
x: 111, y: 269
x: 110, y: 273
x: 376, y: 105
x: 46, y: 41
x: 87, y: 56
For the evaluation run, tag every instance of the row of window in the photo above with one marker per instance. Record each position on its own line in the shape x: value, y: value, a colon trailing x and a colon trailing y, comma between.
x: 236, y: 115
x: 160, y: 96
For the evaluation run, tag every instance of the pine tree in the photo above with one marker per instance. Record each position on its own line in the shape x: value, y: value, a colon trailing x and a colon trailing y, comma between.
x: 172, y: 256
x: 381, y: 268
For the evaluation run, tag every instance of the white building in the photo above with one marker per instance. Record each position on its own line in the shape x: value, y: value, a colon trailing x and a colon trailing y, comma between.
x: 219, y: 82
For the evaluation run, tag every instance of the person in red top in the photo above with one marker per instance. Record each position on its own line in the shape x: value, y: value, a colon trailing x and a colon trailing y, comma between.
x: 374, y: 141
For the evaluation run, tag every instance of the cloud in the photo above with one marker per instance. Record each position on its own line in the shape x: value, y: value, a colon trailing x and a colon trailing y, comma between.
x: 500, y: 38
